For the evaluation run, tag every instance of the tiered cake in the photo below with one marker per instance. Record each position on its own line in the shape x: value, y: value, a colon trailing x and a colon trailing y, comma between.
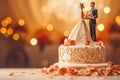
x: 82, y: 55
x: 80, y: 50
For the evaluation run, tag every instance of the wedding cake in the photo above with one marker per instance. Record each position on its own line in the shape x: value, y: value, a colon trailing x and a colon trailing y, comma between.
x: 93, y: 54
x: 82, y: 54
x: 79, y: 50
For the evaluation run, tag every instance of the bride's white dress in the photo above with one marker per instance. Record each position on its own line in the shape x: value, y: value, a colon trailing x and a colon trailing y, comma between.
x: 80, y: 33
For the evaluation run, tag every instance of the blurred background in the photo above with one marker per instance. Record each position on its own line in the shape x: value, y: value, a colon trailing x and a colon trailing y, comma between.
x: 32, y: 30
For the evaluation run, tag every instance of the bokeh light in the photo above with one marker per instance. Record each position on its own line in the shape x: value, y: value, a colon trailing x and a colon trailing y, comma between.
x: 16, y: 36
x: 50, y: 27
x: 107, y: 10
x: 21, y: 22
x: 10, y: 31
x: 33, y: 41
x: 4, y: 23
x: 101, y: 27
x: 66, y: 33
x: 3, y: 30
x: 117, y: 19
x: 9, y: 20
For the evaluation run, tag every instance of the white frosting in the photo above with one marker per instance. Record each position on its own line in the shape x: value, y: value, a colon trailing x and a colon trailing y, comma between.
x: 82, y: 54
x: 66, y: 56
x: 61, y: 64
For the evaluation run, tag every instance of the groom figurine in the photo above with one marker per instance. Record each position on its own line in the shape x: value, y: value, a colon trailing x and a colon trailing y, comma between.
x: 92, y: 21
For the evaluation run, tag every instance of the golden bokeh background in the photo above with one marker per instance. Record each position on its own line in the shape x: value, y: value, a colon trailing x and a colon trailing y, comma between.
x: 38, y: 27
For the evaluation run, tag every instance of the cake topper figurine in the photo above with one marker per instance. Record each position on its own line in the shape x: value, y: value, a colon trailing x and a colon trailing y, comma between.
x: 92, y: 21
x: 80, y: 34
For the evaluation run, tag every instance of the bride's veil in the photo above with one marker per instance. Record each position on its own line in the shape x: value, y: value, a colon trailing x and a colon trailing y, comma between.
x: 78, y: 11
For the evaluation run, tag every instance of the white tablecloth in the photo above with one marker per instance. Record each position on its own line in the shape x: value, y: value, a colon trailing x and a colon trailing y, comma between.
x: 23, y: 74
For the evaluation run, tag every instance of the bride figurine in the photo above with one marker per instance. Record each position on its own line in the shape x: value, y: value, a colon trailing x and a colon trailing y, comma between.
x: 79, y: 34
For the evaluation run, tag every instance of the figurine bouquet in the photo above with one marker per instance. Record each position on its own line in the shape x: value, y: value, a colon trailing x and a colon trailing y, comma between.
x: 89, y: 15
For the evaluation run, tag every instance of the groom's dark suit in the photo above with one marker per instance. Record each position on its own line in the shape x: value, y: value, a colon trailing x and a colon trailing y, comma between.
x: 92, y: 24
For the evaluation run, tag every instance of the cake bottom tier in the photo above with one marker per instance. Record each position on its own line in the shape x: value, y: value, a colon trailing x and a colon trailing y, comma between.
x: 79, y: 65
x: 82, y: 54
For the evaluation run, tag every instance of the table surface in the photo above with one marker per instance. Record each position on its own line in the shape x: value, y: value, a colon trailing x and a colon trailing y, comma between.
x: 33, y: 74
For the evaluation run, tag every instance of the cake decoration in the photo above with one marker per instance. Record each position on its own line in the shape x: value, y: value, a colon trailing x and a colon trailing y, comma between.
x: 110, y: 70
